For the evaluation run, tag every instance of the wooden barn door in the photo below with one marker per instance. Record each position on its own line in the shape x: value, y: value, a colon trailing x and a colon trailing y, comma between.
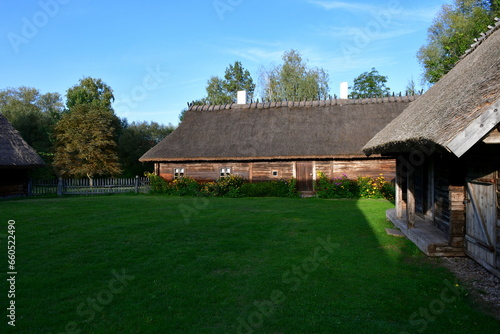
x: 480, y: 236
x: 304, y: 176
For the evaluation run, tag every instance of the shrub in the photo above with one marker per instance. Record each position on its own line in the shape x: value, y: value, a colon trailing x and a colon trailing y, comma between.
x: 232, y: 186
x: 229, y: 186
x: 362, y: 187
x: 158, y: 184
x: 281, y: 188
x: 341, y: 187
x: 185, y: 186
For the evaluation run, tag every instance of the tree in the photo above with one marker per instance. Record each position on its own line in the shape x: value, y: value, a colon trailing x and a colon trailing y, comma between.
x: 369, y: 84
x: 294, y: 80
x: 452, y: 33
x: 224, y: 90
x: 33, y: 114
x: 90, y: 91
x: 87, y: 134
x: 85, y: 144
x: 135, y: 140
x: 411, y: 87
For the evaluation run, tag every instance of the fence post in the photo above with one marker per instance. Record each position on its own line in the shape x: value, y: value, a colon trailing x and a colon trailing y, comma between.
x: 60, y: 187
x: 137, y: 184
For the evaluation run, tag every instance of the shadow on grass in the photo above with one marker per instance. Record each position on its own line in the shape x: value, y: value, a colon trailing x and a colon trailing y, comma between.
x: 148, y: 264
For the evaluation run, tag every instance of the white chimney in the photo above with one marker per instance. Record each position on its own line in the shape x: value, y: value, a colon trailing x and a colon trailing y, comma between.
x: 242, y: 97
x: 344, y: 90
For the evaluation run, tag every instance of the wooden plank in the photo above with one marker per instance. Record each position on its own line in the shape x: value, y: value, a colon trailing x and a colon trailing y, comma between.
x: 410, y: 201
x: 476, y: 130
x: 399, y: 195
x: 430, y: 190
x: 365, y: 167
x: 481, y: 220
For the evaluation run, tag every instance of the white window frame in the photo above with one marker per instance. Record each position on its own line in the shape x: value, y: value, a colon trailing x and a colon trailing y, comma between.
x: 179, y: 173
x: 224, y: 172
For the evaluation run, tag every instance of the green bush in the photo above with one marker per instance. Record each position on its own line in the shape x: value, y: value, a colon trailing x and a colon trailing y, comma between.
x: 341, y: 187
x: 362, y: 187
x: 185, y: 186
x: 281, y: 188
x: 158, y: 184
x: 181, y: 187
x: 232, y: 186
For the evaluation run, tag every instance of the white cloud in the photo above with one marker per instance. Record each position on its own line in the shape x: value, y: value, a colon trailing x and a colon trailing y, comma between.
x: 330, y: 5
x: 257, y: 54
x: 369, y: 32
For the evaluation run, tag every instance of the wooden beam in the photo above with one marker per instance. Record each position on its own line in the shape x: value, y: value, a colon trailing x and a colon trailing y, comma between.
x: 493, y: 137
x: 399, y: 192
x: 410, y: 200
x: 430, y: 189
x: 476, y: 130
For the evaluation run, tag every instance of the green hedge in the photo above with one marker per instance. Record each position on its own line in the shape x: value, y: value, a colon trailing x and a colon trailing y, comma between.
x: 232, y: 186
x: 362, y: 187
x: 236, y: 186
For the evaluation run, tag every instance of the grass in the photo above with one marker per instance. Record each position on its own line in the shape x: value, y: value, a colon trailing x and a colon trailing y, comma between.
x: 150, y: 264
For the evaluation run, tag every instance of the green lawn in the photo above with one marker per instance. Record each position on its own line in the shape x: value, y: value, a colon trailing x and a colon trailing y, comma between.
x: 147, y: 264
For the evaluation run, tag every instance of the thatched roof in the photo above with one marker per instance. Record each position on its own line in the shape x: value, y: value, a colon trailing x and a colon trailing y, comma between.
x: 457, y: 112
x: 14, y: 151
x: 277, y: 130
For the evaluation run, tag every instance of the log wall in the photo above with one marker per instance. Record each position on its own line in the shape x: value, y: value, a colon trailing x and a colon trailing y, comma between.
x: 257, y: 171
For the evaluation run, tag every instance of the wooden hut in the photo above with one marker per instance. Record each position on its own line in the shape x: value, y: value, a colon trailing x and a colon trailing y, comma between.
x: 16, y: 159
x: 447, y: 145
x: 278, y: 140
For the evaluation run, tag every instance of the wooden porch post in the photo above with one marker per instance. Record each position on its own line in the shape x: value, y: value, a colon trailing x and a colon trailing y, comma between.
x: 410, y: 201
x: 399, y: 193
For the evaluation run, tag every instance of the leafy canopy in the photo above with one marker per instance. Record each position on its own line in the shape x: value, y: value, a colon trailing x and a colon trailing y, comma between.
x: 85, y: 144
x: 33, y: 114
x: 135, y: 140
x: 294, y: 80
x: 369, y: 84
x: 86, y: 136
x: 225, y: 90
x: 452, y: 33
x: 90, y: 91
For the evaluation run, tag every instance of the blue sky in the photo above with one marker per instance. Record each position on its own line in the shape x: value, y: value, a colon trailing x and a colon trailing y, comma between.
x: 158, y: 55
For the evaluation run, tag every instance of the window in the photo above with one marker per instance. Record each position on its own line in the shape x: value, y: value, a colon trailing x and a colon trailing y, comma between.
x: 178, y: 173
x: 225, y: 172
x: 275, y: 173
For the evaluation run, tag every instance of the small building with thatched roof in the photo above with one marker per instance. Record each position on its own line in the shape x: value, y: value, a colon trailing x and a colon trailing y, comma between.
x: 16, y: 159
x: 447, y: 145
x: 278, y: 140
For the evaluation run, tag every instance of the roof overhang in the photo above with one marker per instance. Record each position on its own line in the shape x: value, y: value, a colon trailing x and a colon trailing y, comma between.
x: 475, y: 131
x: 273, y: 158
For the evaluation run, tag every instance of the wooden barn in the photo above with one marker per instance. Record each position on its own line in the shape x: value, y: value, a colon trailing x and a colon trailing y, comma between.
x: 447, y: 145
x: 16, y: 159
x: 278, y: 140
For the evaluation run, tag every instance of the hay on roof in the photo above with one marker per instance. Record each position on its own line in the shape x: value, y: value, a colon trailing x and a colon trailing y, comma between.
x: 455, y: 101
x: 278, y: 130
x: 14, y: 151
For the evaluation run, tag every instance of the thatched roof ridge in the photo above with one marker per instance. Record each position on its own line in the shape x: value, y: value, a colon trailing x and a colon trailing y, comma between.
x: 277, y: 130
x: 14, y: 151
x: 467, y: 96
x: 274, y: 104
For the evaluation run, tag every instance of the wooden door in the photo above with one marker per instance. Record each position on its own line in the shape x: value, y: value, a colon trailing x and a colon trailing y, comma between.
x: 304, y: 175
x: 480, y: 236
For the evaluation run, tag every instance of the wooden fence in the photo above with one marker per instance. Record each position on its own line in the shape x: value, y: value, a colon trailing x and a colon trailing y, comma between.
x: 85, y: 187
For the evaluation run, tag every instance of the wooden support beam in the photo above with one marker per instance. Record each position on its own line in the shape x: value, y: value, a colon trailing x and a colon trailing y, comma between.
x: 410, y: 200
x: 399, y: 193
